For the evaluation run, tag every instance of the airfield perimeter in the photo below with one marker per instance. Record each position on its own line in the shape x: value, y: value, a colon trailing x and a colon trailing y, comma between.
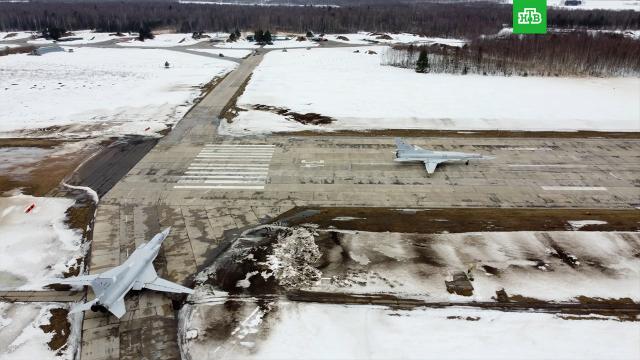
x: 176, y: 184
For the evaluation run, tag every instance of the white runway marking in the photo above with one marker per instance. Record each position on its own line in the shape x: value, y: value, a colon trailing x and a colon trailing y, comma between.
x: 574, y: 188
x: 236, y: 187
x: 228, y: 167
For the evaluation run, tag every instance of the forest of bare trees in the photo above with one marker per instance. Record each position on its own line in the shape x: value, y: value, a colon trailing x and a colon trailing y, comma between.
x: 575, y: 53
x: 433, y: 19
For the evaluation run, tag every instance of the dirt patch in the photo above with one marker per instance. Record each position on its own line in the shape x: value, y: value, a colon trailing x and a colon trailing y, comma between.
x: 231, y: 110
x: 44, y: 175
x: 307, y: 118
x: 469, y: 134
x: 460, y: 285
x: 36, y: 143
x: 59, y: 327
x: 460, y: 220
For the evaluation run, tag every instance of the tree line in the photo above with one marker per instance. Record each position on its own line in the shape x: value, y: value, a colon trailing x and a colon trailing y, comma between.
x: 575, y: 53
x: 467, y: 20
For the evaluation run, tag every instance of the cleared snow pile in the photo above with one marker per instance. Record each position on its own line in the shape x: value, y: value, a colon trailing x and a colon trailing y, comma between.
x: 329, y: 82
x: 363, y: 37
x: 294, y: 254
x: 579, y: 224
x: 165, y: 40
x: 35, y: 242
x: 102, y: 91
x: 36, y: 331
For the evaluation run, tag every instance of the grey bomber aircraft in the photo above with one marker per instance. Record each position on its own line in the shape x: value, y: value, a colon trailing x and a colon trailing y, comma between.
x: 135, y: 273
x: 411, y: 153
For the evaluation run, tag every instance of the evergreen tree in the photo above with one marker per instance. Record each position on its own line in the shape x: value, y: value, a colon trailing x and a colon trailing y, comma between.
x: 422, y: 65
x: 259, y: 36
x: 237, y: 34
x: 267, y: 36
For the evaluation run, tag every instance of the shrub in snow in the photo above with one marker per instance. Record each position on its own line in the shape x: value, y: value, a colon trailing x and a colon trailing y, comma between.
x: 294, y: 254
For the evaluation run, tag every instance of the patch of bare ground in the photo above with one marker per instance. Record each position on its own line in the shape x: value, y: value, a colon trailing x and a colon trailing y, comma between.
x: 306, y: 118
x: 620, y: 309
x: 44, y: 175
x: 231, y: 110
x: 469, y: 134
x: 60, y: 328
x: 460, y: 220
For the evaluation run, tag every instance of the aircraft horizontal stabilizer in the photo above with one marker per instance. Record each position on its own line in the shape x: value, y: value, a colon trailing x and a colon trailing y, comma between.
x: 118, y: 308
x: 431, y: 166
x: 77, y: 280
x: 160, y: 284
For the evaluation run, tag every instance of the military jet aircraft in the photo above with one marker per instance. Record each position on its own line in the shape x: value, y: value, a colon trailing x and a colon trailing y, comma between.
x: 135, y: 273
x: 410, y: 153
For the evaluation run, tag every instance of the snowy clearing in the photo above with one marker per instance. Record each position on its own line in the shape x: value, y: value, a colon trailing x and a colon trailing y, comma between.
x: 35, y: 242
x: 21, y: 336
x: 165, y: 40
x: 109, y: 91
x: 296, y: 330
x: 359, y: 93
x: 362, y: 38
x: 232, y: 53
x: 82, y: 37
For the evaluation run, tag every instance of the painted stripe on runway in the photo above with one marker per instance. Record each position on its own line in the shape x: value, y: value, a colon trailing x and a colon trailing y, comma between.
x: 218, y: 172
x: 230, y: 165
x: 224, y: 177
x: 227, y: 187
x: 262, y: 157
x: 574, y: 188
x: 224, y: 168
x: 253, y: 182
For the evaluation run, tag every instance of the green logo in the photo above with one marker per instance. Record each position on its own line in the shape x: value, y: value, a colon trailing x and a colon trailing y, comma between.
x: 529, y: 16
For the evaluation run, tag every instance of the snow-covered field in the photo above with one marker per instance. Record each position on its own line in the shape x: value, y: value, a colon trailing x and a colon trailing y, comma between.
x: 35, y: 245
x: 364, y: 37
x: 106, y: 91
x: 165, y: 40
x: 295, y: 330
x: 233, y: 53
x: 359, y: 93
x: 22, y: 338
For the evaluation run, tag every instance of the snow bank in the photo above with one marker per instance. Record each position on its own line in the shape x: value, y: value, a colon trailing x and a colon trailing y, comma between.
x: 165, y: 40
x: 15, y: 35
x: 111, y: 91
x: 523, y: 263
x: 325, y: 331
x: 359, y: 93
x: 21, y: 336
x: 35, y: 245
x: 363, y: 37
x: 84, y: 37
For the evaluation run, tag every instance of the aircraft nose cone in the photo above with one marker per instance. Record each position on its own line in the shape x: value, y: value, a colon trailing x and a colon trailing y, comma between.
x: 166, y: 231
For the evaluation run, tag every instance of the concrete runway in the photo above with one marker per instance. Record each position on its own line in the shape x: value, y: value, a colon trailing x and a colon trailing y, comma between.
x: 208, y: 187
